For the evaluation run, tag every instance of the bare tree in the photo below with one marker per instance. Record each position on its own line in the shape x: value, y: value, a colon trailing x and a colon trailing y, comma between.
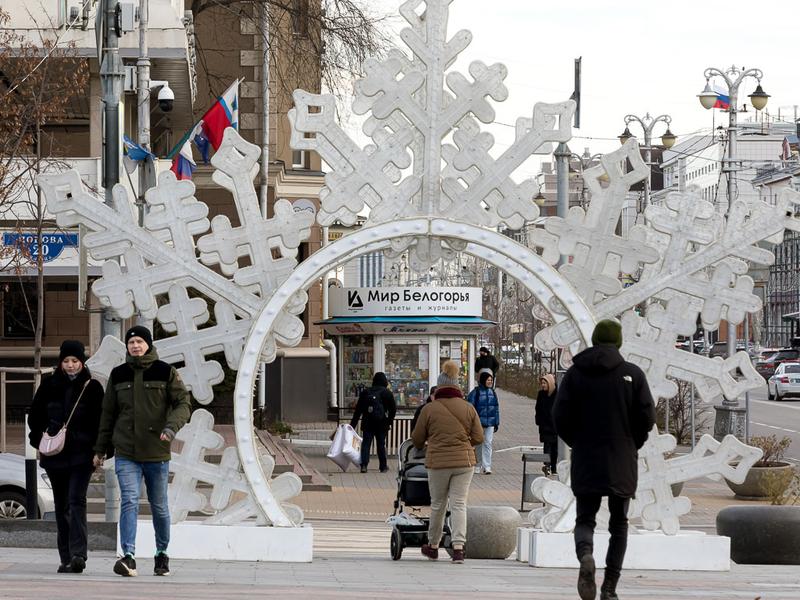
x: 319, y: 40
x: 39, y: 83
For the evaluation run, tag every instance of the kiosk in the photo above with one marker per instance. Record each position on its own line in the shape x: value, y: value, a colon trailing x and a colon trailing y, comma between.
x: 407, y: 333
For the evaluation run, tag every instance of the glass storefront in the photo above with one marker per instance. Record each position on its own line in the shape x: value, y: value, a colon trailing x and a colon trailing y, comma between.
x: 358, y: 359
x: 407, y: 365
x: 456, y: 349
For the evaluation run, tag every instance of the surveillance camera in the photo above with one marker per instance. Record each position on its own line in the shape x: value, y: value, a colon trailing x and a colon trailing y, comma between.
x: 166, y: 98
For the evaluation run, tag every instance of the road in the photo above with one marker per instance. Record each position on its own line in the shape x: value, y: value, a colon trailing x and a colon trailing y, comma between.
x: 780, y: 418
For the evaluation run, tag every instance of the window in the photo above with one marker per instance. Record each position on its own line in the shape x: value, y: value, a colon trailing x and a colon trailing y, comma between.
x: 299, y: 159
x: 19, y: 310
x: 300, y: 17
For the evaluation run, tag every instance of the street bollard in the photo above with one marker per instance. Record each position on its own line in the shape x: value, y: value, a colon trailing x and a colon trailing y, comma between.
x: 112, y: 492
x: 31, y: 474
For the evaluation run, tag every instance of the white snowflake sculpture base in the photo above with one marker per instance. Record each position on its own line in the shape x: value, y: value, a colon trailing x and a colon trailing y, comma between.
x: 651, y: 550
x: 194, y: 540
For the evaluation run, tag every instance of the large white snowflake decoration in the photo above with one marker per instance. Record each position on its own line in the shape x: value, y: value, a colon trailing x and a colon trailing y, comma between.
x: 410, y: 170
x: 190, y: 467
x: 654, y: 504
x: 691, y: 263
x: 179, y: 251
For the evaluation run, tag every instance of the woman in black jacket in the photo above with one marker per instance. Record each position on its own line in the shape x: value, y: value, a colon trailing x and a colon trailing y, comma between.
x: 544, y: 419
x: 69, y: 470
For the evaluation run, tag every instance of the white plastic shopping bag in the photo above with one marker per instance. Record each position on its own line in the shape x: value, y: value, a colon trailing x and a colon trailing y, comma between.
x: 346, y: 447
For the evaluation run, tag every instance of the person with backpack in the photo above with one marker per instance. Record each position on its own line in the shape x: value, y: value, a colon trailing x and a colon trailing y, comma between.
x: 376, y: 409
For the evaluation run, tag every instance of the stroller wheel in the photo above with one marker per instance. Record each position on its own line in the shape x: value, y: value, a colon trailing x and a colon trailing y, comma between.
x: 396, y: 544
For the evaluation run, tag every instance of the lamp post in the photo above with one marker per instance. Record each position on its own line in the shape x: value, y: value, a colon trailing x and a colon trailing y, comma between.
x: 648, y: 123
x: 585, y: 160
x: 733, y: 78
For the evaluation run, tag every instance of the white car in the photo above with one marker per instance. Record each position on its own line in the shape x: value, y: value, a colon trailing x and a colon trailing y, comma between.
x: 785, y: 382
x: 12, y: 489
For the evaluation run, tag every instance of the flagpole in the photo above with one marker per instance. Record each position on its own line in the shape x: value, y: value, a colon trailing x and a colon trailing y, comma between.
x: 264, y: 189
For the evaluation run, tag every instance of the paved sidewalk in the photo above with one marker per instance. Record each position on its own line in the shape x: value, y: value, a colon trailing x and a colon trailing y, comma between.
x: 28, y: 573
x: 369, y: 496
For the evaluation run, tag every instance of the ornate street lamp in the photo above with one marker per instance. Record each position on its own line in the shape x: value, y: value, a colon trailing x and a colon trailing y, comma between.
x: 733, y: 77
x: 667, y: 140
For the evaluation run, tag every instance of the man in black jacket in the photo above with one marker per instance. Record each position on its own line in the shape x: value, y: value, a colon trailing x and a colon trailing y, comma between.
x: 604, y: 412
x: 486, y: 360
x: 376, y: 409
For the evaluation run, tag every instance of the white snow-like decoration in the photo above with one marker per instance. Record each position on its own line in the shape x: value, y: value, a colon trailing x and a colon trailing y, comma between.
x: 190, y: 467
x: 654, y: 504
x: 169, y: 259
x: 432, y: 187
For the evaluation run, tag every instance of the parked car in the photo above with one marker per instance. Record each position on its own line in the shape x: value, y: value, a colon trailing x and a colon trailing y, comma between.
x: 12, y: 489
x: 785, y: 382
x: 764, y: 353
x: 718, y: 349
x: 766, y: 368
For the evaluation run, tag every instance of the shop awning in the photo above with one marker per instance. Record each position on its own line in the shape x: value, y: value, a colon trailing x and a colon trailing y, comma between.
x: 390, y: 324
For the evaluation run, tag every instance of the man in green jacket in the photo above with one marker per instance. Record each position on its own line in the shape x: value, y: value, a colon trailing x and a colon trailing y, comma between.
x: 144, y: 406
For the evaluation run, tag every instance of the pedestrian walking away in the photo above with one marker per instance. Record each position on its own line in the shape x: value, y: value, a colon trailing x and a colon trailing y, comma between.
x: 145, y: 405
x: 486, y: 363
x: 376, y: 409
x: 604, y: 412
x: 70, y: 399
x: 484, y: 399
x: 544, y: 420
x: 451, y: 428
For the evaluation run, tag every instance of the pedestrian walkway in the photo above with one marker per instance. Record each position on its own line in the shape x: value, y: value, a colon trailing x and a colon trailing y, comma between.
x: 30, y: 574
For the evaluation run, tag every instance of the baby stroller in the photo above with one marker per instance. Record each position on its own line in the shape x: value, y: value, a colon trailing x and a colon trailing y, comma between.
x: 411, y: 530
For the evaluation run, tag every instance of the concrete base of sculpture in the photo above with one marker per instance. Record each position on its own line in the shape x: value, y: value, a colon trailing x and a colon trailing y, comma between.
x: 687, y: 551
x: 491, y: 531
x: 193, y: 540
x: 524, y: 543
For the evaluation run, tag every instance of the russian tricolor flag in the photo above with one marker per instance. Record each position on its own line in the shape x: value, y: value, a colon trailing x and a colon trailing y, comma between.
x: 224, y: 113
x: 183, y: 164
x: 723, y: 99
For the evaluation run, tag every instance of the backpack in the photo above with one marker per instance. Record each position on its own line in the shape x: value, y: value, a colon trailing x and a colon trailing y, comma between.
x: 376, y: 413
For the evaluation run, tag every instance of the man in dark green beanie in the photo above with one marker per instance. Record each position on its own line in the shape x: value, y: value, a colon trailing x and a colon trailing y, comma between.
x: 604, y: 412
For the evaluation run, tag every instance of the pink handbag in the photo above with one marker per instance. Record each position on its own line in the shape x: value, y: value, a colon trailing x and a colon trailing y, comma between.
x: 53, y: 444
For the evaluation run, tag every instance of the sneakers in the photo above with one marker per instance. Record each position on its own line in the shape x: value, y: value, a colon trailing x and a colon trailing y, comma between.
x: 487, y: 471
x: 125, y: 566
x: 429, y: 551
x: 161, y: 566
x: 477, y: 470
x: 363, y: 468
x: 77, y: 564
x: 458, y: 556
x: 587, y: 588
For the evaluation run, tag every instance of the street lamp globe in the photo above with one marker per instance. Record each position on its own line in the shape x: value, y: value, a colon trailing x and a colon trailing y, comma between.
x: 539, y: 199
x: 668, y: 139
x: 708, y: 97
x: 625, y: 135
x: 759, y: 98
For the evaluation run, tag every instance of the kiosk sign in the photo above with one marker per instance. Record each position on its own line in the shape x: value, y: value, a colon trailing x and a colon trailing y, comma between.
x: 411, y: 301
x: 52, y: 243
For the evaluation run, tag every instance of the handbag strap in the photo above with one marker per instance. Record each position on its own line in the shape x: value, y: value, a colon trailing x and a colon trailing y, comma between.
x: 457, y: 419
x: 74, y: 406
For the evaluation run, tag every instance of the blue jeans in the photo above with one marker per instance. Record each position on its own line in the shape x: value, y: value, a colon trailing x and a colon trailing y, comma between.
x: 156, y: 476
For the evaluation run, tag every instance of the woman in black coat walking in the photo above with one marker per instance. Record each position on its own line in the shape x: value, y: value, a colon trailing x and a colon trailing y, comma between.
x: 69, y: 470
x: 544, y: 420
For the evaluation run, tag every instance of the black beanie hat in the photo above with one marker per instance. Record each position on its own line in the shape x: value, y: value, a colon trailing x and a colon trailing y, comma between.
x: 72, y: 348
x: 142, y: 332
x: 607, y: 331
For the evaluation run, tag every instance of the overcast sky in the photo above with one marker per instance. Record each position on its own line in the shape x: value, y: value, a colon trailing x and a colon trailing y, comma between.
x: 638, y: 57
